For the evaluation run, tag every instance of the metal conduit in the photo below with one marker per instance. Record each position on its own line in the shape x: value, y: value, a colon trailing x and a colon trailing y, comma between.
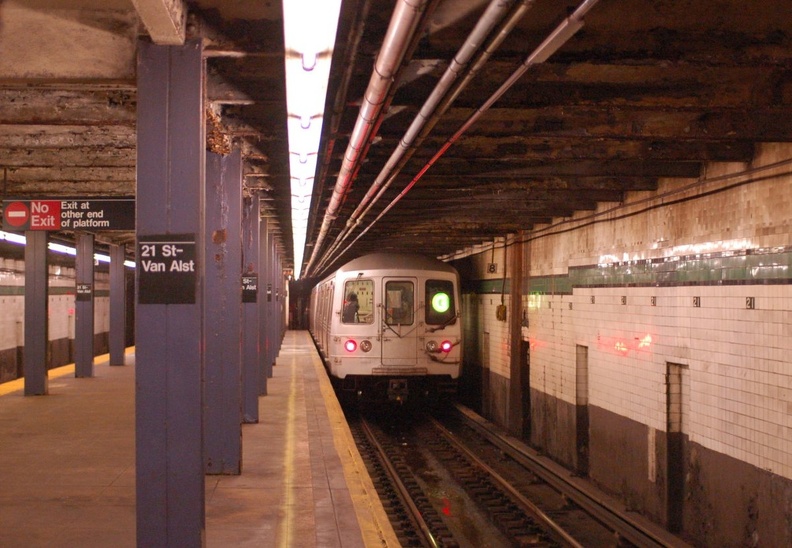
x: 562, y: 33
x: 438, y: 101
x: 403, y: 25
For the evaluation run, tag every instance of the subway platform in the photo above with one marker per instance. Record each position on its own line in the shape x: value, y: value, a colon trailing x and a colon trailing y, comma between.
x: 67, y: 465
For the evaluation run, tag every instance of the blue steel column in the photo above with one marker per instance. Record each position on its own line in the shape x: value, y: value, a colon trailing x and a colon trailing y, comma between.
x: 36, y: 326
x: 84, y: 307
x: 273, y: 339
x: 170, y: 185
x: 271, y: 303
x: 117, y: 304
x: 250, y: 331
x: 265, y: 295
x: 223, y: 315
x: 284, y: 316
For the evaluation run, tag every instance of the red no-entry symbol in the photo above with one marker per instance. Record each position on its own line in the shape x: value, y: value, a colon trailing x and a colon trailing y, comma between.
x: 16, y: 214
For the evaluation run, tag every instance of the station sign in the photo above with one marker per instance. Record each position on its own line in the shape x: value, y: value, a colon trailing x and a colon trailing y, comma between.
x: 167, y: 269
x: 84, y: 292
x: 249, y: 288
x: 69, y: 214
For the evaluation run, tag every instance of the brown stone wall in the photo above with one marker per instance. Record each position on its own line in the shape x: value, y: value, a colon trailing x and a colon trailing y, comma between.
x: 10, y: 364
x: 60, y: 353
x: 731, y: 503
x: 553, y: 427
x: 619, y: 463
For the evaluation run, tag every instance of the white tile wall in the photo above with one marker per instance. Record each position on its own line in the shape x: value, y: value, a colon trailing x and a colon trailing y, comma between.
x: 739, y: 360
x: 60, y: 307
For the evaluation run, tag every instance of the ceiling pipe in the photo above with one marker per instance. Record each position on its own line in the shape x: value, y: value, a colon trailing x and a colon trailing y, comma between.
x: 560, y: 36
x: 437, y: 102
x: 403, y: 25
x: 500, y: 16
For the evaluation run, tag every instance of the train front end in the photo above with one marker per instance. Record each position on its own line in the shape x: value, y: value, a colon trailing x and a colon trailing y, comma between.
x: 398, y: 335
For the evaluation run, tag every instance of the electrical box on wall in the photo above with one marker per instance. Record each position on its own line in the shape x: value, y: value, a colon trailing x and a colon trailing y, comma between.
x: 492, y: 268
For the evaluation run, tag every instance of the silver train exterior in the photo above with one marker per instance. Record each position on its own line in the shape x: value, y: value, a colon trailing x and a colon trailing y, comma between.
x: 388, y: 327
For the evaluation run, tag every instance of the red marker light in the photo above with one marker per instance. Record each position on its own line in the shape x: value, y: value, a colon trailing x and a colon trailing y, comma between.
x: 350, y: 346
x: 446, y: 346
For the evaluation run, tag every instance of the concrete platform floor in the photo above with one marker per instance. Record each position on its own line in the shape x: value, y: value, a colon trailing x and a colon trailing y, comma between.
x: 67, y: 465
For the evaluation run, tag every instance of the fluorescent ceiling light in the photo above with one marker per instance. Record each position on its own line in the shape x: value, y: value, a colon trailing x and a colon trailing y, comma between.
x: 309, y: 32
x: 13, y: 238
x: 58, y: 248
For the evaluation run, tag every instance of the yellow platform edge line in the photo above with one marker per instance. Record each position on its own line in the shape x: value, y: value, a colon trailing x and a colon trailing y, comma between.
x: 55, y: 372
x: 374, y: 523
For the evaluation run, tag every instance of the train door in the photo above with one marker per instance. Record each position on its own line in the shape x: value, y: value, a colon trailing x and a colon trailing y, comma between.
x: 399, y: 322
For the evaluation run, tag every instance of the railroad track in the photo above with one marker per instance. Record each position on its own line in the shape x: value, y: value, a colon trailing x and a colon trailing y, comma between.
x: 439, y: 494
x: 414, y: 519
x: 591, y: 512
x: 460, y: 483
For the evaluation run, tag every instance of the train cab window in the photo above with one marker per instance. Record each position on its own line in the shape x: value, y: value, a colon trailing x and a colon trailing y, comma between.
x: 440, y: 306
x: 399, y: 303
x: 358, y: 302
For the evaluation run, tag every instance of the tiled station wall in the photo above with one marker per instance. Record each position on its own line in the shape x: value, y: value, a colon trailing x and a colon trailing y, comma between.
x: 667, y: 315
x: 60, y: 313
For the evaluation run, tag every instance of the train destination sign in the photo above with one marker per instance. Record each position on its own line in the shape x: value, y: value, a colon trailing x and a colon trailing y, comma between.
x: 167, y: 270
x: 69, y: 214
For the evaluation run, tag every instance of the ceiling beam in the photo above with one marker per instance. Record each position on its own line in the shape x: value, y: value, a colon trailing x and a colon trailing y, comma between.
x: 165, y: 20
x: 529, y: 147
x: 755, y: 124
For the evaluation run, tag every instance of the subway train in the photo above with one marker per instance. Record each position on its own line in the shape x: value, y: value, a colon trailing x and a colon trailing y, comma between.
x: 388, y: 327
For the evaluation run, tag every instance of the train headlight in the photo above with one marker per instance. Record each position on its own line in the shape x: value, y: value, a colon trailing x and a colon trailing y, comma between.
x: 350, y: 345
x: 365, y: 346
x: 431, y: 346
x: 446, y: 346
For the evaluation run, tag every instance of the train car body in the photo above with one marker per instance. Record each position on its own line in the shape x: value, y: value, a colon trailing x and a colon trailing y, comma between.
x: 388, y: 327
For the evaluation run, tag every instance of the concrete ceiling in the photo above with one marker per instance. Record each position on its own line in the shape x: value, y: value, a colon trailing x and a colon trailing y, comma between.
x: 647, y: 89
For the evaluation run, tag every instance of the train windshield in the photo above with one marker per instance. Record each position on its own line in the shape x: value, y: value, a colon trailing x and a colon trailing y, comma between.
x: 440, y: 307
x: 399, y: 303
x: 358, y: 302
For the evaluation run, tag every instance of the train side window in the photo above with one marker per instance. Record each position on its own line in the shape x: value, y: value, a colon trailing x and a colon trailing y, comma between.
x: 358, y: 301
x: 440, y: 306
x: 399, y: 303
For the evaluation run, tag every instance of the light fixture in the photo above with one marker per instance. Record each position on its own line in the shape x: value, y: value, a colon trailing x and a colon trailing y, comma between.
x: 58, y: 248
x: 309, y: 34
x: 13, y: 238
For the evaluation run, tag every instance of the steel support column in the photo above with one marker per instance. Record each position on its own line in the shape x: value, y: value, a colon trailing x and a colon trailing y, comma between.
x: 280, y: 304
x: 117, y: 304
x: 515, y: 337
x: 250, y: 309
x: 84, y: 307
x: 36, y: 325
x: 264, y: 304
x: 223, y: 315
x: 272, y: 316
x: 171, y: 160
